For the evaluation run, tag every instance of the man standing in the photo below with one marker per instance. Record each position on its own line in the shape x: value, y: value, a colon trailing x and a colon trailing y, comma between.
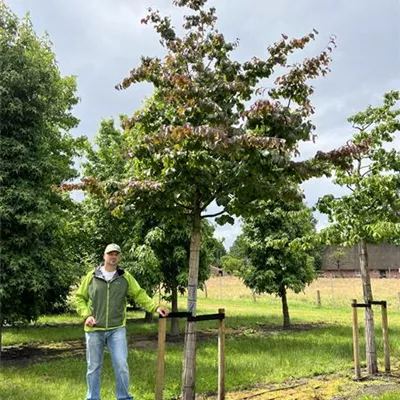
x: 101, y: 300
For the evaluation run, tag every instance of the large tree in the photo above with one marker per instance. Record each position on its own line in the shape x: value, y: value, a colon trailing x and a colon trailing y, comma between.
x: 36, y: 152
x: 273, y: 265
x: 197, y: 141
x: 369, y: 213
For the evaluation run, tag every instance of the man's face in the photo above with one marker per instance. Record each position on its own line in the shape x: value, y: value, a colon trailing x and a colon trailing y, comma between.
x: 111, y: 258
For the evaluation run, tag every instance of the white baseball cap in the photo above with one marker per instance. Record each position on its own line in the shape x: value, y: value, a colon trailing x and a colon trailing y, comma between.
x: 112, y: 247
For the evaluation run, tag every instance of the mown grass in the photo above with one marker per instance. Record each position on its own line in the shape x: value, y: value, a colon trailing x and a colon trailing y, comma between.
x: 258, y: 350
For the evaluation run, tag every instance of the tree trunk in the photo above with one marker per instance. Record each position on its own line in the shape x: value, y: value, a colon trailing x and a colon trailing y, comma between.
x: 148, y: 317
x: 372, y: 365
x: 174, y: 306
x: 339, y: 269
x: 189, y: 358
x: 1, y: 337
x: 285, y: 308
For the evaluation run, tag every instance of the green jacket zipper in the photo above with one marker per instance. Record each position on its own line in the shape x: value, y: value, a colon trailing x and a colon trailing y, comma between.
x: 108, y: 302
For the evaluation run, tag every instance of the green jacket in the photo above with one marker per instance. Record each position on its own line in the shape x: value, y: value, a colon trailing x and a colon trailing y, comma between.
x: 106, y: 301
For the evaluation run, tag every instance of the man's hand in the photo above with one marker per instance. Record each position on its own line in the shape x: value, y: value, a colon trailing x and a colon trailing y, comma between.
x: 90, y: 321
x: 163, y: 311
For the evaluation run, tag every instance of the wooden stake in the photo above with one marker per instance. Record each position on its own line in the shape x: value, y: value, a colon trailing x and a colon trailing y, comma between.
x: 221, y: 357
x: 356, y: 349
x: 385, y: 334
x: 318, y: 298
x: 162, y: 329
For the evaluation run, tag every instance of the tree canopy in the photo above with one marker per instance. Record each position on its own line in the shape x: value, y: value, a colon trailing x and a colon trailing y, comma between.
x: 272, y: 265
x: 38, y: 260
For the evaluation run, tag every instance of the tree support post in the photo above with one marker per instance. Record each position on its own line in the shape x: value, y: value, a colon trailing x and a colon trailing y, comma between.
x: 356, y: 348
x: 385, y: 334
x: 192, y: 319
x: 162, y: 328
x: 221, y: 356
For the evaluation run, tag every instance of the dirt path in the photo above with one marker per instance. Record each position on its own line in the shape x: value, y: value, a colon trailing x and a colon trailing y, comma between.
x: 39, y: 352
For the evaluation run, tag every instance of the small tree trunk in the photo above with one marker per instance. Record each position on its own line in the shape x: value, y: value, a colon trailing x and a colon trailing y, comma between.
x: 339, y: 269
x: 148, y: 317
x: 174, y: 306
x: 1, y: 336
x: 369, y: 314
x: 189, y: 358
x: 285, y: 308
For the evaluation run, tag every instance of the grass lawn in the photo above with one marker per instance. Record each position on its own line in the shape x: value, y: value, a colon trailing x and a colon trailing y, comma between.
x: 258, y: 350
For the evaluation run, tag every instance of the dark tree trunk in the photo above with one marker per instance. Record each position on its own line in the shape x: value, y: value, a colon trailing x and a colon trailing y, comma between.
x: 372, y: 364
x: 285, y: 307
x: 340, y: 269
x: 148, y: 317
x: 1, y: 337
x: 174, y: 306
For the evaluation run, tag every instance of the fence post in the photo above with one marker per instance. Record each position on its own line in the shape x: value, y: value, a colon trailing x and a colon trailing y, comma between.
x: 162, y: 329
x: 356, y: 348
x: 221, y: 357
x: 318, y: 298
x: 385, y: 334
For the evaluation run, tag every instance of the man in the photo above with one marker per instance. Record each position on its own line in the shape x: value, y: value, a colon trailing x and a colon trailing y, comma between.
x: 101, y: 301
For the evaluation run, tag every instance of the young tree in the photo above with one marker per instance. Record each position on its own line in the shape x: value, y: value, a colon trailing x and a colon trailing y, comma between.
x: 171, y: 246
x: 369, y: 213
x: 238, y: 249
x: 274, y: 266
x: 36, y: 152
x: 339, y: 257
x: 196, y: 141
x: 231, y: 264
x: 236, y: 259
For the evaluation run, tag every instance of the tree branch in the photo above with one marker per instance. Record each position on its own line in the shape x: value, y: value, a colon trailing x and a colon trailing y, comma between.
x: 362, y: 128
x: 213, y: 215
x: 366, y: 172
x: 182, y: 205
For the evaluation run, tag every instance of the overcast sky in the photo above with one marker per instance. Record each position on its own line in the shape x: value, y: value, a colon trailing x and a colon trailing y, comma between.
x: 99, y: 41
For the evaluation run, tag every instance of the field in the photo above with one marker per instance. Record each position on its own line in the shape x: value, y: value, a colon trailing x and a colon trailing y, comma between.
x: 312, y: 360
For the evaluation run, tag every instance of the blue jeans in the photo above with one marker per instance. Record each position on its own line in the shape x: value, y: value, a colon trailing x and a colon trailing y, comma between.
x: 115, y: 340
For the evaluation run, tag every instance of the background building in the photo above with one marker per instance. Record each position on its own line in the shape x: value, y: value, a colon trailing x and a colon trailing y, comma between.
x: 384, y: 261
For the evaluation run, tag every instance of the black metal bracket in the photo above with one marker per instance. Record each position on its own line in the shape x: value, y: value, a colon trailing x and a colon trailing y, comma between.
x: 379, y: 303
x: 360, y: 305
x: 191, y: 318
x: 182, y: 314
x: 370, y: 303
x: 207, y: 317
